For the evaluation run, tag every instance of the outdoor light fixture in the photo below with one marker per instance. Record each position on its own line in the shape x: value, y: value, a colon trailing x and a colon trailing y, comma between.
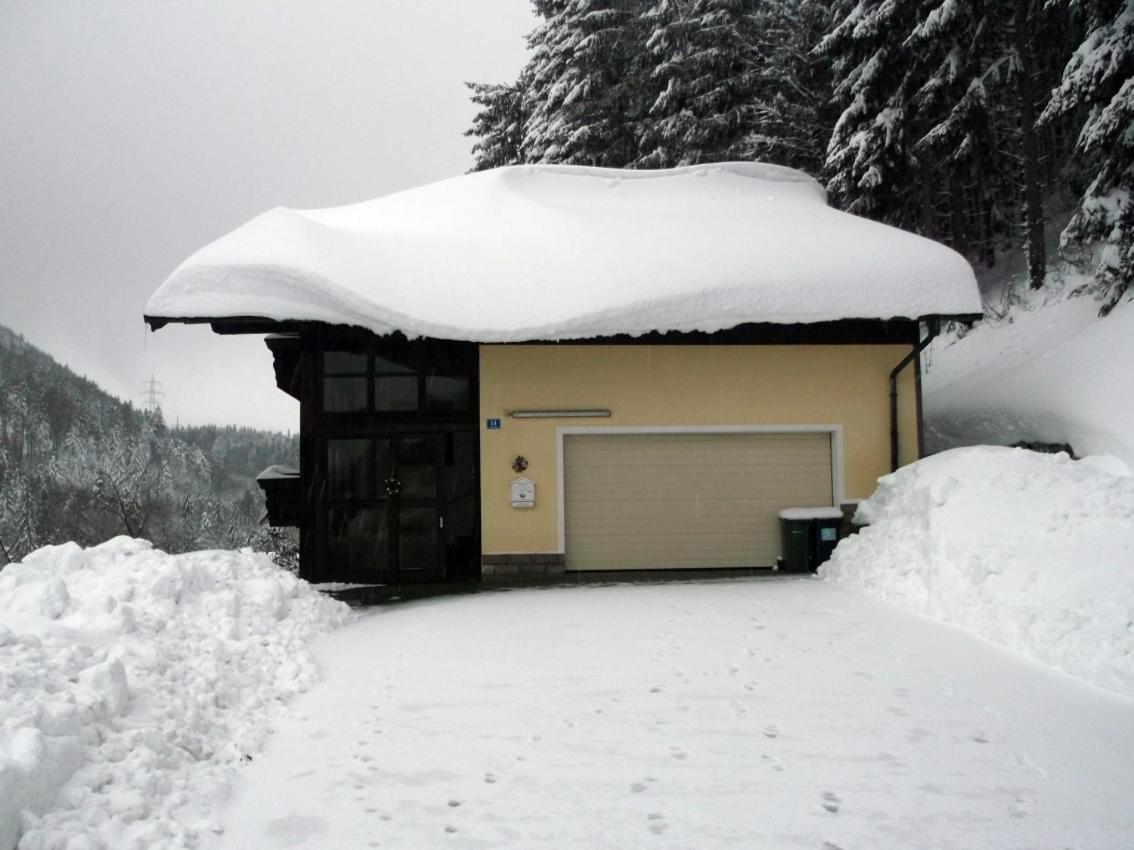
x: 559, y: 414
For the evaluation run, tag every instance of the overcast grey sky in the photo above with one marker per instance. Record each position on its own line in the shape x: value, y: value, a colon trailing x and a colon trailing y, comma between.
x: 133, y: 132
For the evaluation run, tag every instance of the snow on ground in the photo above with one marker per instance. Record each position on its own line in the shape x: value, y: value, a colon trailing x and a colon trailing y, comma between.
x: 1050, y: 370
x: 131, y: 684
x: 1032, y: 551
x: 560, y: 252
x: 789, y: 713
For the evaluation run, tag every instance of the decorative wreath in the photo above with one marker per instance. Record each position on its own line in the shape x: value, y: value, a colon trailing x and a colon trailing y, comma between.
x: 520, y: 464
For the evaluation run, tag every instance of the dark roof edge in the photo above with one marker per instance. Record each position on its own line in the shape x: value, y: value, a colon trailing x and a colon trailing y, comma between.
x: 261, y: 325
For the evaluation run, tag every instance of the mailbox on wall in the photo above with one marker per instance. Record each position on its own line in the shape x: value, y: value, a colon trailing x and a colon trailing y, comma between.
x: 523, y: 493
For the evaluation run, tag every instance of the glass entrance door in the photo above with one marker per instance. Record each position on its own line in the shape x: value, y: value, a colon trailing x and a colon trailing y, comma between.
x: 401, y: 507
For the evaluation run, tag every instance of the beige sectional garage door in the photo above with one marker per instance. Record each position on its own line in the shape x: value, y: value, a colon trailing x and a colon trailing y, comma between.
x: 656, y: 501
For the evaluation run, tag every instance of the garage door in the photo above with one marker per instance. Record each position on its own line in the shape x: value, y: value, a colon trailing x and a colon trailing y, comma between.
x: 656, y: 501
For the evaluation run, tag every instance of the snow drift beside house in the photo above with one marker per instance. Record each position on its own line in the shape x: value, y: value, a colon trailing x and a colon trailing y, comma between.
x: 1032, y: 551
x: 1049, y: 371
x: 131, y: 681
x: 559, y: 252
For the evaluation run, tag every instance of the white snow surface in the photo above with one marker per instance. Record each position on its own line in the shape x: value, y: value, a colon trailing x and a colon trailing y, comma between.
x: 560, y: 252
x: 131, y: 684
x: 783, y: 713
x: 1051, y: 370
x: 811, y: 513
x: 1031, y: 551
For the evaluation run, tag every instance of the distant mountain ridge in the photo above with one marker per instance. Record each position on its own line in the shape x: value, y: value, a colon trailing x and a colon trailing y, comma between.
x: 76, y: 463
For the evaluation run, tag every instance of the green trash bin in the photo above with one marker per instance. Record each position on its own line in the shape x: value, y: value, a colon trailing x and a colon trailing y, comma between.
x: 825, y: 531
x: 809, y: 537
x: 797, y: 540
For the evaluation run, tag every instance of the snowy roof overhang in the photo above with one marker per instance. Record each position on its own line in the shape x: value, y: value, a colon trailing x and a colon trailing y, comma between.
x: 569, y: 252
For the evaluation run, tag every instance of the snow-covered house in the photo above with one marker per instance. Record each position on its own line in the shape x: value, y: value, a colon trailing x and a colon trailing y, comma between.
x: 563, y: 368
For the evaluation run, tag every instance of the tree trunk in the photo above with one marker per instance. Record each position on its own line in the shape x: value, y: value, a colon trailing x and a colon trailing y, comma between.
x: 1031, y: 166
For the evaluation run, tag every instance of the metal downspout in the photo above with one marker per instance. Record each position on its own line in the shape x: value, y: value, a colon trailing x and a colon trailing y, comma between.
x: 933, y: 328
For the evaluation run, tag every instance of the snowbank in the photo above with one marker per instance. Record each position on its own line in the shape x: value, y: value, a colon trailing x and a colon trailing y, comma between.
x: 131, y: 681
x: 1050, y: 371
x: 1032, y: 551
x: 560, y: 252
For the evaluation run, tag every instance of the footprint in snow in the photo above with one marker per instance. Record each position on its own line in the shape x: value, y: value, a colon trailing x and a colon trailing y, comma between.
x: 982, y: 737
x: 657, y: 824
x: 450, y: 828
x: 454, y: 803
x: 772, y: 762
x: 638, y: 787
x: 490, y: 779
x: 656, y: 689
x: 831, y: 801
x: 771, y: 731
x: 678, y: 753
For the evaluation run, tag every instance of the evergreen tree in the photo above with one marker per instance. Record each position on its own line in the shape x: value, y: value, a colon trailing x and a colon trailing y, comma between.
x: 499, y: 125
x: 983, y: 96
x: 1098, y: 82
x: 870, y: 162
x: 706, y: 68
x: 790, y: 112
x: 938, y: 130
x: 583, y: 100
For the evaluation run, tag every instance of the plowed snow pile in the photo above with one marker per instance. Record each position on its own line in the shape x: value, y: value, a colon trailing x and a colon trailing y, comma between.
x: 132, y: 681
x: 1032, y: 551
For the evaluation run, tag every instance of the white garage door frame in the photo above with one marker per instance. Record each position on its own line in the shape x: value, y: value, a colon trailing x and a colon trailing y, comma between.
x: 835, y: 431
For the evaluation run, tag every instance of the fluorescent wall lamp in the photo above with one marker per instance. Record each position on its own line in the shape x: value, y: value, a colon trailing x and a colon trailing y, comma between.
x: 559, y: 414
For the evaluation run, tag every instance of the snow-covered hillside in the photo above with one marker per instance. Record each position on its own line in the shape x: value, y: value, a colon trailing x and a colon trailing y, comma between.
x: 1032, y: 551
x: 1050, y: 370
x: 132, y: 682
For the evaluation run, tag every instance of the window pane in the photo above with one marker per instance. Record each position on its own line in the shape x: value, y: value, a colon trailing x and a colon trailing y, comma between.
x: 359, y: 539
x: 443, y: 393
x: 417, y: 466
x: 344, y: 395
x: 417, y: 538
x: 382, y: 366
x: 346, y: 469
x: 394, y: 392
x: 344, y: 363
x: 417, y: 450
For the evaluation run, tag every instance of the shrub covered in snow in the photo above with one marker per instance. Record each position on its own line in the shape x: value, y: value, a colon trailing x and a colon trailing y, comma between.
x: 132, y: 680
x: 1032, y: 551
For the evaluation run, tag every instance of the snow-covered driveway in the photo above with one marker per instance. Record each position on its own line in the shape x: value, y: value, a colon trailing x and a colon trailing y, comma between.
x: 754, y: 714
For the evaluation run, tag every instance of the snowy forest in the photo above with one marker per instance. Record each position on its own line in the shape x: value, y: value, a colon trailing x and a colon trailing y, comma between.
x: 994, y: 127
x: 78, y: 464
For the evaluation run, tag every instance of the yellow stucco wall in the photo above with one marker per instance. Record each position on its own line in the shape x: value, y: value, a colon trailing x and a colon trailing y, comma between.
x: 659, y: 385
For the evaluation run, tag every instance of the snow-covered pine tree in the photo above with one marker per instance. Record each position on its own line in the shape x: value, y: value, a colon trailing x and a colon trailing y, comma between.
x: 938, y: 131
x: 789, y: 115
x: 1098, y: 82
x: 499, y: 125
x: 583, y: 101
x: 870, y: 163
x: 981, y: 95
x: 706, y: 67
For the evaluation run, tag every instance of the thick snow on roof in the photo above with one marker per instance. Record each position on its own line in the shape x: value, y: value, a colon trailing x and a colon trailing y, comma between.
x: 560, y: 252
